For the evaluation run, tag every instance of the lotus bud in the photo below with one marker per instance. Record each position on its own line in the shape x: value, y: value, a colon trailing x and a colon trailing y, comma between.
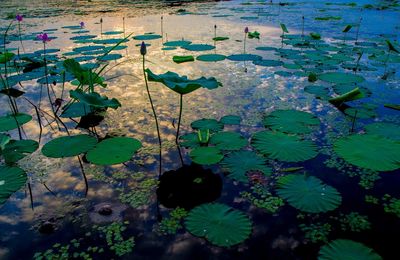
x: 19, y: 17
x: 143, y: 49
x: 246, y: 30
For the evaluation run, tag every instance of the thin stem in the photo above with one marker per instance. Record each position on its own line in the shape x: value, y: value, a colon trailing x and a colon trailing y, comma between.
x: 154, y: 114
x: 180, y: 117
x: 354, y: 121
x: 30, y: 194
x: 84, y: 175
x: 20, y: 39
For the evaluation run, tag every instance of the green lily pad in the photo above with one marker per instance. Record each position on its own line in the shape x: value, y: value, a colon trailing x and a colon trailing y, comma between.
x: 282, y: 147
x: 210, y: 124
x: 198, y: 47
x: 320, y: 92
x: 388, y: 130
x: 206, y: 155
x: 360, y: 112
x: 347, y: 249
x: 268, y: 63
x: 190, y: 140
x: 230, y: 120
x: 182, y: 59
x: 94, y: 99
x: 176, y: 43
x: 291, y: 121
x: 308, y: 194
x: 244, y: 57
x: 15, y: 150
x: 181, y: 84
x: 146, y: 37
x: 349, y: 96
x: 114, y: 151
x: 369, y: 151
x: 228, y: 141
x: 77, y: 109
x: 219, y: 224
x: 11, y: 180
x: 220, y: 38
x: 392, y: 106
x: 341, y: 78
x: 265, y: 48
x: 108, y: 57
x: 211, y: 57
x: 68, y: 146
x: 9, y: 122
x: 240, y: 163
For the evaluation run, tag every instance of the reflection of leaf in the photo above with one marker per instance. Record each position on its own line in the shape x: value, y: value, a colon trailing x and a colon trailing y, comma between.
x: 181, y: 84
x: 219, y: 224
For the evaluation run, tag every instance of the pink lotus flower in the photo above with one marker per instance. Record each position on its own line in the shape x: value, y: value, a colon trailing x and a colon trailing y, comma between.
x: 43, y: 37
x: 246, y: 30
x: 19, y: 17
x: 82, y: 24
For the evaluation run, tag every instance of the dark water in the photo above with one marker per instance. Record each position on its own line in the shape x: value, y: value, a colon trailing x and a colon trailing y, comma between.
x: 249, y: 91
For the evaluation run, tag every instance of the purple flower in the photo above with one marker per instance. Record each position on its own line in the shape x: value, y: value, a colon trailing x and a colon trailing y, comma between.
x: 43, y: 37
x: 246, y: 30
x: 143, y: 49
x: 19, y: 17
x: 82, y: 24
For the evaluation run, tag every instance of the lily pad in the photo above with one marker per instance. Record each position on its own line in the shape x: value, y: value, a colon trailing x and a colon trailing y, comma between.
x: 347, y: 249
x: 282, y: 147
x: 94, y: 99
x: 114, y: 151
x: 320, y: 92
x: 341, y: 78
x: 15, y: 150
x: 211, y: 57
x: 198, y: 47
x: 308, y: 194
x: 228, y: 141
x: 230, y: 120
x: 11, y: 180
x: 220, y: 38
x: 388, y: 130
x: 219, y: 224
x: 182, y: 59
x: 147, y: 37
x: 210, y: 124
x: 244, y: 57
x: 68, y: 146
x: 291, y: 121
x: 268, y: 63
x: 240, y: 163
x: 77, y: 109
x: 206, y: 155
x: 369, y: 151
x: 181, y: 84
x: 9, y: 122
x: 177, y: 43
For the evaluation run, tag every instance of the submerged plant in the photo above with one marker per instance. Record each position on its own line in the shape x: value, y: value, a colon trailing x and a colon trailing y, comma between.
x: 355, y: 222
x: 316, y: 233
x: 262, y: 198
x: 391, y: 205
x: 115, y: 239
x: 172, y: 224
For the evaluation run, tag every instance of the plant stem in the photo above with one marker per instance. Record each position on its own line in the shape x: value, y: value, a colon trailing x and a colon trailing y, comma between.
x: 154, y: 113
x: 180, y: 117
x: 20, y: 39
x: 84, y: 176
x: 354, y: 121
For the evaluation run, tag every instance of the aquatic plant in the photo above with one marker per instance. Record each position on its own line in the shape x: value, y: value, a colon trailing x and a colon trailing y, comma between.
x: 11, y: 180
x: 354, y: 222
x: 308, y: 193
x: 219, y: 224
x: 291, y: 121
x: 345, y: 31
x: 391, y: 205
x: 140, y: 195
x: 284, y: 30
x: 246, y: 31
x: 262, y: 198
x: 182, y: 85
x: 316, y: 232
x: 172, y: 224
x: 347, y: 249
x: 371, y: 199
x: 115, y: 239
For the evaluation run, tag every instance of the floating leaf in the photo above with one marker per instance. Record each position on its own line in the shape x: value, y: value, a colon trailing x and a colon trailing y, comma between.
x: 219, y: 224
x: 369, y: 151
x: 240, y: 163
x: 198, y: 47
x: 291, y: 121
x: 181, y: 84
x: 146, y: 37
x: 177, y: 43
x: 388, y: 130
x: 211, y: 124
x: 77, y: 109
x: 11, y: 180
x: 347, y: 249
x: 308, y: 194
x: 206, y: 155
x: 253, y: 35
x: 15, y: 150
x: 220, y: 38
x: 113, y: 151
x: 68, y: 146
x: 9, y: 122
x: 320, y: 92
x: 230, y: 120
x: 393, y: 106
x: 341, y: 78
x: 283, y: 147
x: 211, y: 57
x: 268, y: 63
x: 94, y: 99
x: 349, y: 96
x: 228, y: 141
x: 244, y: 57
x: 182, y: 59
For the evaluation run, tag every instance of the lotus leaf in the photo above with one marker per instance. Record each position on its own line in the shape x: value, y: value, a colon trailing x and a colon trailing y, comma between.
x: 68, y: 146
x: 211, y: 57
x: 291, y: 121
x: 230, y: 120
x: 308, y: 194
x: 284, y: 147
x: 347, y: 249
x: 198, y: 47
x: 9, y: 122
x: 182, y: 59
x: 388, y: 130
x: 114, y: 151
x: 341, y: 78
x: 94, y: 99
x: 369, y: 151
x: 11, y: 180
x: 228, y: 141
x: 240, y: 163
x: 16, y: 150
x: 206, y: 155
x: 211, y: 124
x: 219, y: 224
